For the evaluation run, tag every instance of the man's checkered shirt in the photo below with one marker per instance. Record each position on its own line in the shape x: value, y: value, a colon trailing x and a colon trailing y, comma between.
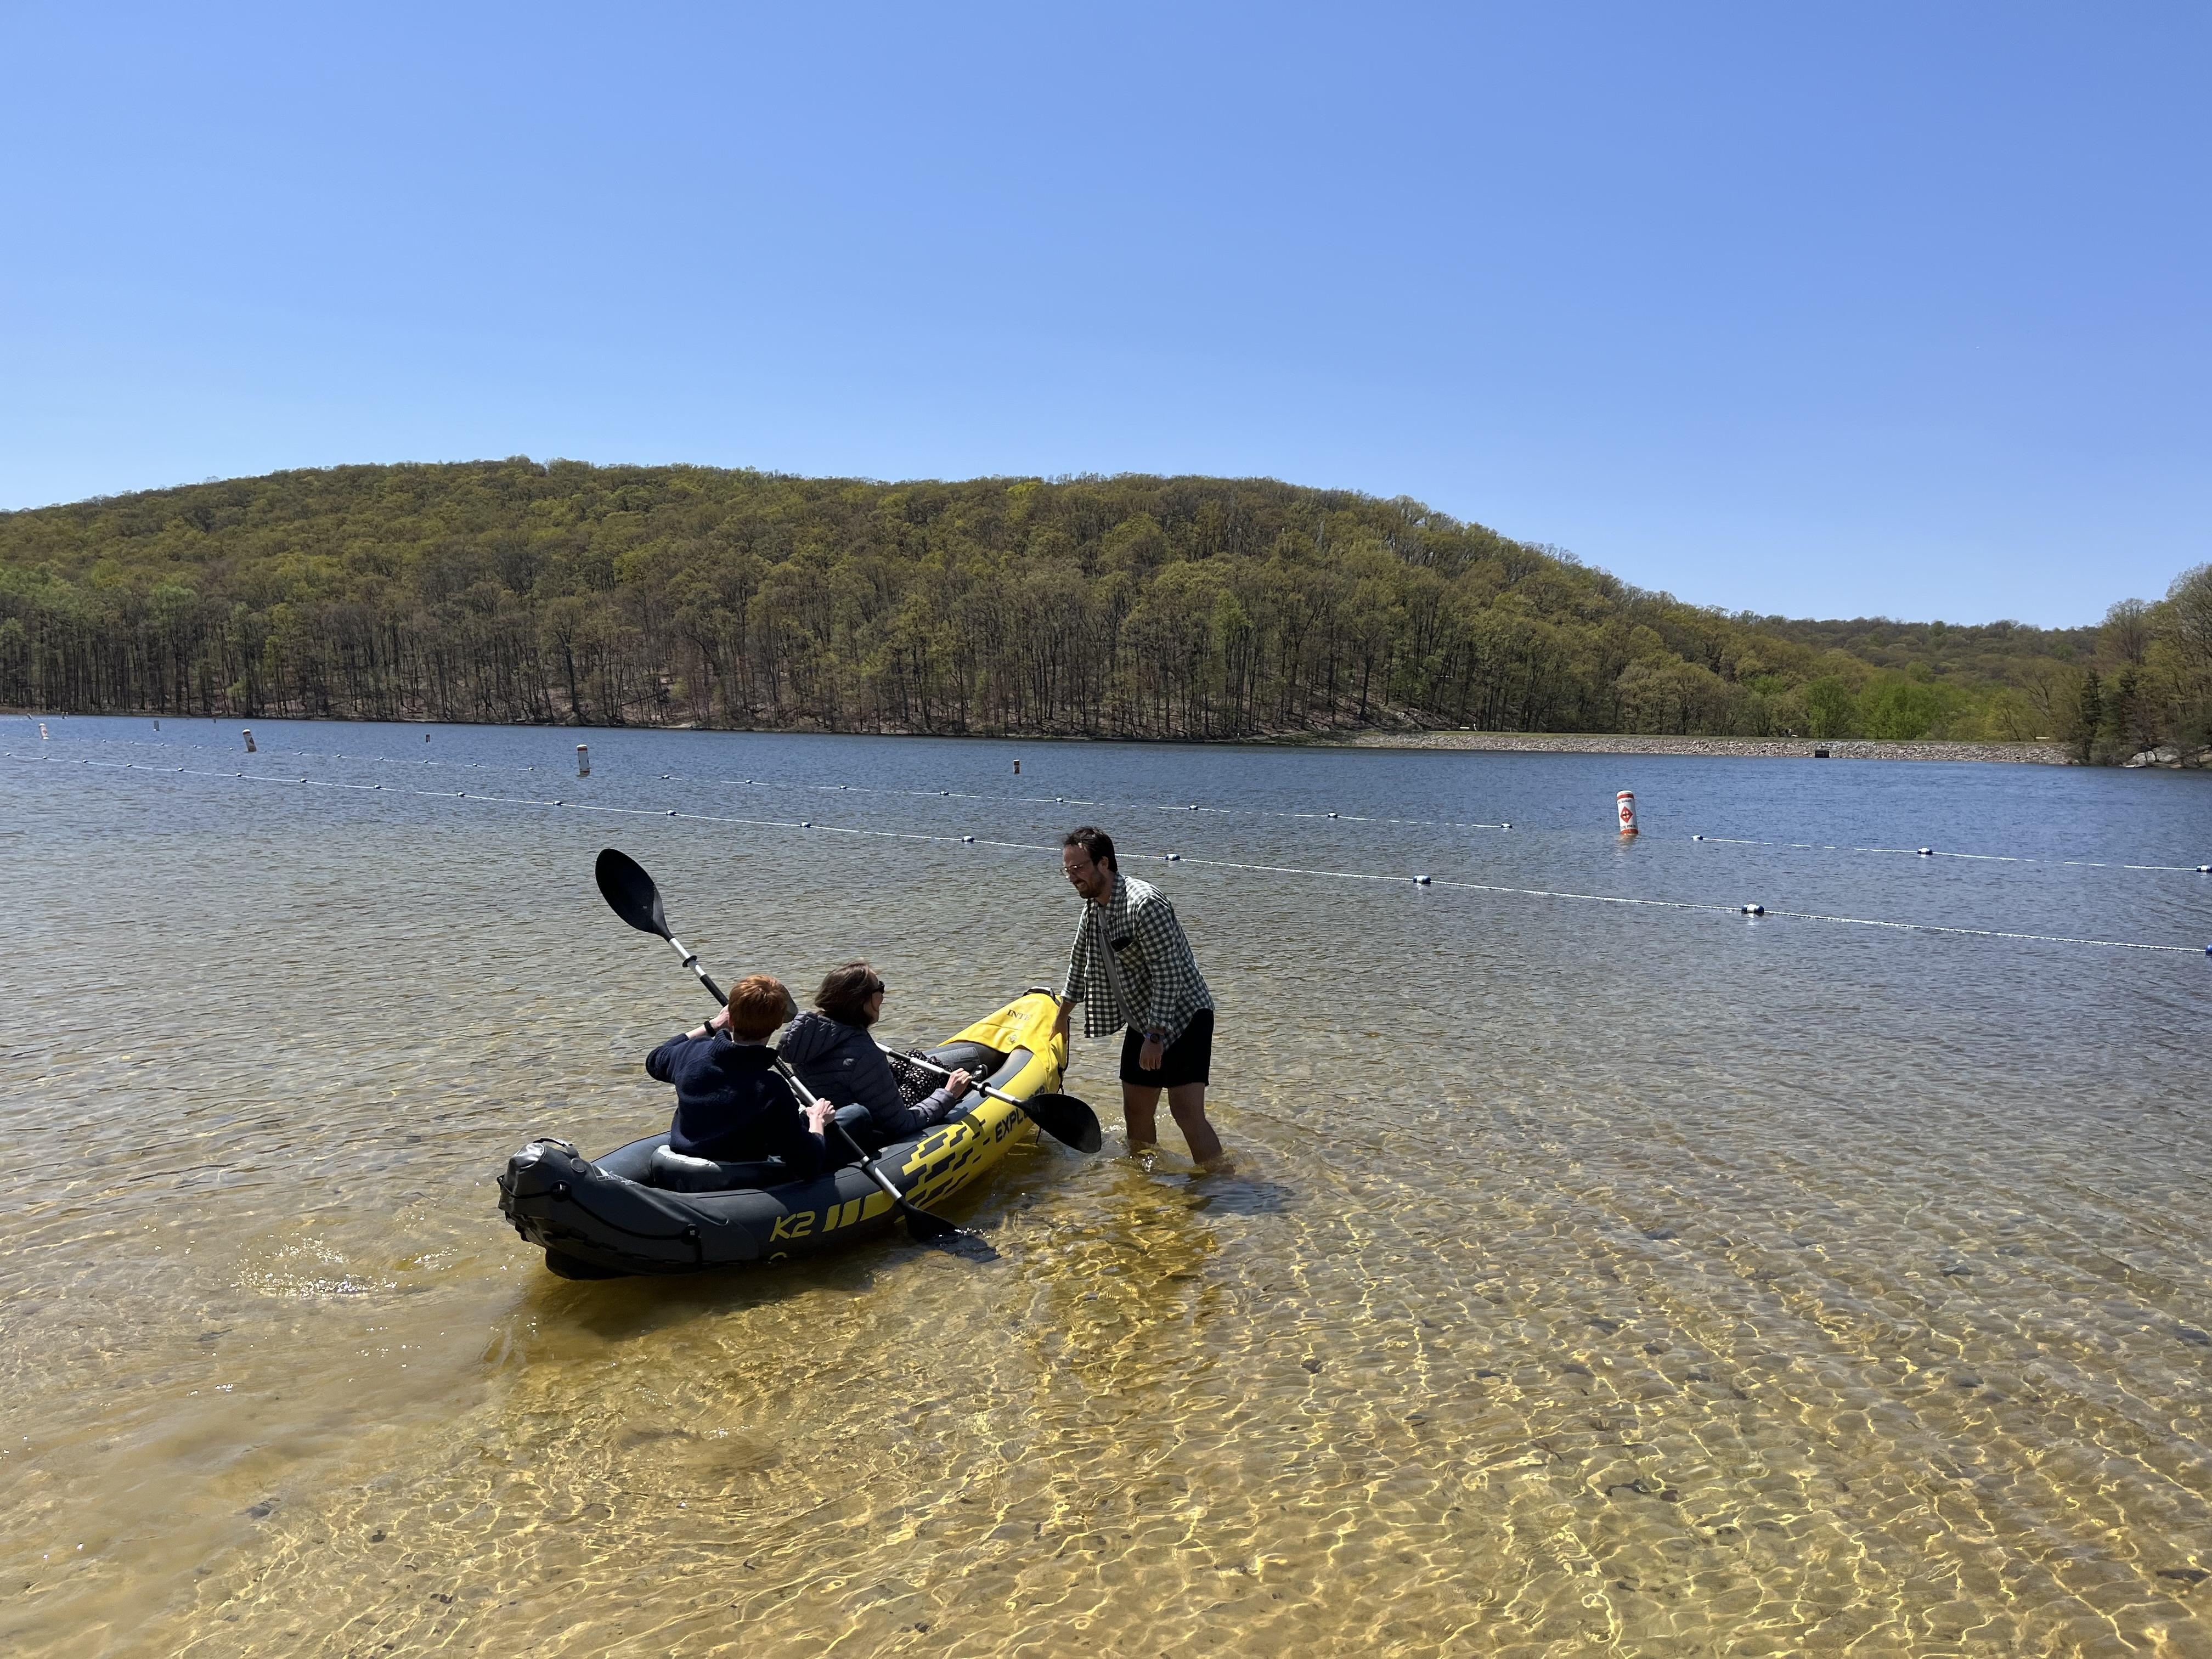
x: 1160, y: 987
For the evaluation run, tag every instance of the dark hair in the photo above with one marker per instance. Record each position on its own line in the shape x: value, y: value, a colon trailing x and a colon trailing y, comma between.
x: 845, y: 992
x: 757, y: 1005
x: 1097, y: 846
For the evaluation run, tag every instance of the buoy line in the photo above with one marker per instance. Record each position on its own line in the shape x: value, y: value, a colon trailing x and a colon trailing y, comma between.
x: 1753, y: 911
x: 1163, y: 806
x: 1938, y: 852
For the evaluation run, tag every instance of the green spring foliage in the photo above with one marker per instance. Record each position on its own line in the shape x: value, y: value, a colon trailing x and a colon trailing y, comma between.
x: 1134, y: 606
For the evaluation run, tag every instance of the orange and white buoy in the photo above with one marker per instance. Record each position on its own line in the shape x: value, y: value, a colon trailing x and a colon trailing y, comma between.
x: 1626, y: 802
x: 249, y: 740
x: 583, y: 760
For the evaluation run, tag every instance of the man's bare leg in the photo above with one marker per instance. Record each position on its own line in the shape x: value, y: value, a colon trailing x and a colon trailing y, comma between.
x: 1140, y: 1107
x: 1187, y: 1105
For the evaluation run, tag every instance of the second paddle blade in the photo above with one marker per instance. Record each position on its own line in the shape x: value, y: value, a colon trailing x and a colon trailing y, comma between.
x: 1068, y: 1119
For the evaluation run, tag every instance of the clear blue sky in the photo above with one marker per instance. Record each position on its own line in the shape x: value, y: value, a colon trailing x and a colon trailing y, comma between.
x: 1825, y: 310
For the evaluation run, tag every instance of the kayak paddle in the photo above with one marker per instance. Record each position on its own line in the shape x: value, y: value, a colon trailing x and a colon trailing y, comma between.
x: 631, y: 895
x: 923, y: 1225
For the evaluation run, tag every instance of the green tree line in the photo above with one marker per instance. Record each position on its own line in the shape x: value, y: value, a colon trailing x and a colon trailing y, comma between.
x: 1125, y: 606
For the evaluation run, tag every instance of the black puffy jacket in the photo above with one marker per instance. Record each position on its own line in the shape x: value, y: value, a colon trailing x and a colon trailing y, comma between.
x: 841, y: 1064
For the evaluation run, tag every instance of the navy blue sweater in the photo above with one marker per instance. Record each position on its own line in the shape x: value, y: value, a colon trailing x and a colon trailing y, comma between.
x: 731, y: 1106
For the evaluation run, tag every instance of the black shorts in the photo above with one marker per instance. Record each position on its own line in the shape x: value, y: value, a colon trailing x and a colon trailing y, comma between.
x: 1189, y: 1058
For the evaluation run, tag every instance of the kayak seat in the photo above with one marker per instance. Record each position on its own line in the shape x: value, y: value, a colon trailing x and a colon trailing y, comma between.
x: 676, y: 1173
x: 974, y: 1057
x: 914, y: 1084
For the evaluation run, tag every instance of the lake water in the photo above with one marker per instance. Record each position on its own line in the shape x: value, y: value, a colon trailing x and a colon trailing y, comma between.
x: 1591, y: 1274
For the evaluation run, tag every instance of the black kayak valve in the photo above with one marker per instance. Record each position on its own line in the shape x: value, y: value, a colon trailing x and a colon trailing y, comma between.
x: 560, y: 1189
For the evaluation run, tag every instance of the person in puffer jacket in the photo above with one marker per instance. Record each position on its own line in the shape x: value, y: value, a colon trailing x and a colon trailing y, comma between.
x: 830, y: 1047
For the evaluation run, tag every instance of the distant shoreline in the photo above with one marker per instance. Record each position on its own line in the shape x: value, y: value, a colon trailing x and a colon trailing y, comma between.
x: 1561, y: 742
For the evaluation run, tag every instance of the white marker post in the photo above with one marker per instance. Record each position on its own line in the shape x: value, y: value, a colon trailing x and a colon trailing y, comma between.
x: 583, y: 760
x: 1626, y: 802
x: 249, y: 740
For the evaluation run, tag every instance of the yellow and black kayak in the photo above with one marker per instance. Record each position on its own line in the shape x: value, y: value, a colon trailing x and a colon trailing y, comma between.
x: 644, y: 1209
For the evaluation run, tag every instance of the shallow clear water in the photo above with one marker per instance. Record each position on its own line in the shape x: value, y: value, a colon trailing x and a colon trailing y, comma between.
x: 1591, y: 1274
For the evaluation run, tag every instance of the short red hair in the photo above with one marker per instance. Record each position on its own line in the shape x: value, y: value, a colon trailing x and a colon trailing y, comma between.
x: 758, y: 1003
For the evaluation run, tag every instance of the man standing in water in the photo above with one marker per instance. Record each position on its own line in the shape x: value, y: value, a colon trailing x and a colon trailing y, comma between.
x: 1131, y: 967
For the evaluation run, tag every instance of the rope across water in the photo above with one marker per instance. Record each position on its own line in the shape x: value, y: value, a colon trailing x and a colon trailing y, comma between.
x: 561, y: 804
x: 1312, y: 816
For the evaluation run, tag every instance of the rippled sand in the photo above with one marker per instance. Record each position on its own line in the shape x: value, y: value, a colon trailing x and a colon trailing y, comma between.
x: 1682, y: 1286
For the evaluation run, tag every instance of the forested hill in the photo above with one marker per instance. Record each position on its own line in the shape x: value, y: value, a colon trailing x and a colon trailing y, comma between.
x: 1121, y: 607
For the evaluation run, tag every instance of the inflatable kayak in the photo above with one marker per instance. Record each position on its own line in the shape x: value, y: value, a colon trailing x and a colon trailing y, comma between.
x: 645, y: 1209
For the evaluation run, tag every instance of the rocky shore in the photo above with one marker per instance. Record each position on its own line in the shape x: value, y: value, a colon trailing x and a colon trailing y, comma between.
x: 1546, y: 743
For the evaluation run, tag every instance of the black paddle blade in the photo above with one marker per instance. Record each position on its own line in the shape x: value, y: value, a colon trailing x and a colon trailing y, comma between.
x: 629, y: 892
x: 926, y: 1227
x: 1065, y: 1119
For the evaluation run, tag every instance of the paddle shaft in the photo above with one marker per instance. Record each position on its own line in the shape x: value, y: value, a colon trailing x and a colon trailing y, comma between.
x: 867, y: 1164
x: 1063, y: 1117
x: 691, y: 961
